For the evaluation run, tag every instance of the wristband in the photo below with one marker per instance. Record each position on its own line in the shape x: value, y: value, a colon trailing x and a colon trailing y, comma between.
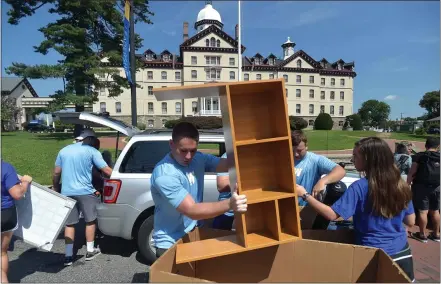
x: 305, y: 196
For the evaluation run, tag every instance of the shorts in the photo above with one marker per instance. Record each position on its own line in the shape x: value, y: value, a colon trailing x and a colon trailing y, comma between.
x: 223, y: 222
x: 426, y: 197
x: 9, y: 219
x: 85, y: 204
x: 405, y: 261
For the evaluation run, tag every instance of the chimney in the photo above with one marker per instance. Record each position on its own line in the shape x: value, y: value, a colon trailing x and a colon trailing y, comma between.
x: 185, y: 31
x: 237, y: 32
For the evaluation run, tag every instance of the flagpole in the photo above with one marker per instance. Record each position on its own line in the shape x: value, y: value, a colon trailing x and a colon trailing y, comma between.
x: 133, y: 65
x: 239, y: 73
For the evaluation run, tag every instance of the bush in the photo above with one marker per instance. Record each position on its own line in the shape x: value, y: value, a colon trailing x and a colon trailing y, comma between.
x: 201, y: 122
x: 297, y: 123
x: 354, y: 121
x: 421, y: 131
x: 323, y: 122
x: 141, y: 126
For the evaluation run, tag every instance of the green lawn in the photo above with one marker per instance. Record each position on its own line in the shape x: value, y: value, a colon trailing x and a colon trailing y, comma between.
x: 35, y: 154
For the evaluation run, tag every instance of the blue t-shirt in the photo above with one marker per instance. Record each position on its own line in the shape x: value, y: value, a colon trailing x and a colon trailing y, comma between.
x: 9, y: 180
x: 371, y: 230
x: 76, y: 162
x: 309, y: 171
x: 227, y: 194
x: 170, y: 184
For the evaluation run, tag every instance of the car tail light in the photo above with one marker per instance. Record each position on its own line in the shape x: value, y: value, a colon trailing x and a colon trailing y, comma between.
x: 111, y: 190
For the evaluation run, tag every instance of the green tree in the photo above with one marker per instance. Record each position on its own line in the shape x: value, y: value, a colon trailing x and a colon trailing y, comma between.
x: 10, y: 111
x: 323, y: 122
x: 354, y: 121
x: 373, y: 112
x: 85, y: 32
x: 297, y: 123
x: 430, y: 102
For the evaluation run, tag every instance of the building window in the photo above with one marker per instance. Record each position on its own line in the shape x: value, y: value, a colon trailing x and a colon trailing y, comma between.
x: 102, y: 107
x: 207, y: 42
x: 322, y: 109
x: 342, y: 82
x: 194, y: 106
x: 212, y: 60
x: 286, y: 78
x: 271, y: 61
x: 213, y: 74
x: 177, y: 76
x: 298, y: 93
x: 194, y: 60
x: 299, y: 63
x: 340, y: 123
x: 150, y: 107
x: 286, y: 92
x: 151, y: 123
x: 149, y: 57
x: 332, y: 82
x: 311, y: 79
x: 232, y: 75
x: 340, y: 110
x: 271, y: 76
x: 332, y: 95
x: 150, y: 75
x: 323, y: 81
x: 164, y: 108
x: 232, y: 61
x: 331, y: 110
x: 342, y: 96
x: 194, y: 74
x: 322, y: 95
x: 311, y: 94
x: 258, y: 77
x: 164, y: 75
x: 213, y: 42
x: 298, y: 109
x: 311, y: 109
x: 218, y: 43
x: 246, y: 77
x: 178, y: 108
x: 299, y: 79
x: 150, y: 90
x: 166, y: 57
x: 311, y: 122
x: 118, y: 107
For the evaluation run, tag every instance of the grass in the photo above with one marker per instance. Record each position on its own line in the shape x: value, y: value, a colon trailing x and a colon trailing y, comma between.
x: 35, y: 154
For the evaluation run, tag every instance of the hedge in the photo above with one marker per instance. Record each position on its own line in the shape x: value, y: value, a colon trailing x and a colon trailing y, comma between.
x: 201, y: 122
x: 323, y: 122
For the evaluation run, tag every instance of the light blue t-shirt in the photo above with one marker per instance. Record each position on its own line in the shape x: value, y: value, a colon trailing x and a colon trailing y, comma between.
x: 170, y: 184
x: 76, y: 162
x: 309, y: 171
x: 225, y: 195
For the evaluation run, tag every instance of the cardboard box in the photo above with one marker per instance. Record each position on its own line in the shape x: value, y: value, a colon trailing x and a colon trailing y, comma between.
x: 316, y: 258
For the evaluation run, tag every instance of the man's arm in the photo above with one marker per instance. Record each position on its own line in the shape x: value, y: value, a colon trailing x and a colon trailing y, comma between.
x: 334, y: 173
x: 223, y: 183
x: 99, y: 162
x: 222, y: 166
x: 56, y: 179
x: 412, y: 172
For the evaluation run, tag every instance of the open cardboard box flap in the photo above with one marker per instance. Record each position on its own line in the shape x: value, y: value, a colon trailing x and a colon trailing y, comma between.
x: 316, y: 258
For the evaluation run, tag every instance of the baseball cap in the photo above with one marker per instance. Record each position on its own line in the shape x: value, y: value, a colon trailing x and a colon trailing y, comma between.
x: 86, y: 133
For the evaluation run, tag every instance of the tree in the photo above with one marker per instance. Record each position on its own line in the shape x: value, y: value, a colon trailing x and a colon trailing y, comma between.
x: 297, y: 123
x: 86, y: 32
x: 354, y: 121
x: 10, y: 111
x: 323, y: 122
x: 430, y: 102
x: 373, y: 112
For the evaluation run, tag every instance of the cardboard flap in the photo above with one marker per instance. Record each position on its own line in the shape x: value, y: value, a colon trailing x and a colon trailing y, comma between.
x: 364, y: 267
x: 384, y: 268
x: 337, y: 236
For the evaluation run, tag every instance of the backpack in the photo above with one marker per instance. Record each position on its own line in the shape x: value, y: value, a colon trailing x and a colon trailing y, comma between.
x: 428, y: 169
x: 401, y: 164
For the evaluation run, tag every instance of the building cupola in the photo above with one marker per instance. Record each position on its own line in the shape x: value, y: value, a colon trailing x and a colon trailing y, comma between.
x: 208, y: 16
x: 288, y: 48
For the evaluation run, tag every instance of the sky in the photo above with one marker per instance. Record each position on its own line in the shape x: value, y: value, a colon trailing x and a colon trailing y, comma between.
x: 395, y: 45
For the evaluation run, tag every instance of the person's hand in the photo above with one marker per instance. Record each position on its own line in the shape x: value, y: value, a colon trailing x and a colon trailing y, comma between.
x: 300, y: 190
x: 238, y: 203
x: 26, y: 178
x: 318, y: 188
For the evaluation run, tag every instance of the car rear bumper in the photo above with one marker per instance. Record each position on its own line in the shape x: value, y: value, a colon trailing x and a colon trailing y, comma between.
x: 117, y: 220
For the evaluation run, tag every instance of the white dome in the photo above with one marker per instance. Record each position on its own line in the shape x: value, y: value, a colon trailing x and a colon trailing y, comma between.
x: 209, y: 13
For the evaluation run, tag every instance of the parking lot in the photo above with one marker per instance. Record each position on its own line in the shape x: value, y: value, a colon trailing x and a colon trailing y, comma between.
x: 118, y: 263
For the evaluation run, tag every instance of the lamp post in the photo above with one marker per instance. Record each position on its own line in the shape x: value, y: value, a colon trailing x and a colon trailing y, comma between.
x: 133, y: 65
x: 239, y: 45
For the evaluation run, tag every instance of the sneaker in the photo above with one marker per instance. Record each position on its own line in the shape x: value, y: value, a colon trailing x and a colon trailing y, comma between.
x: 433, y: 237
x: 92, y: 255
x: 419, y: 237
x: 68, y: 260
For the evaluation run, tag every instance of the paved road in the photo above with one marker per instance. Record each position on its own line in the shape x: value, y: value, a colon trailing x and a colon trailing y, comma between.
x: 119, y: 262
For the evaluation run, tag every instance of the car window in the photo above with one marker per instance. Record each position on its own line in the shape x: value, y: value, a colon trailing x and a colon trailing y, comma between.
x: 144, y: 155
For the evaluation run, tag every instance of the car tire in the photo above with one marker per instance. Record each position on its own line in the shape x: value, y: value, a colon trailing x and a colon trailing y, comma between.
x: 144, y: 241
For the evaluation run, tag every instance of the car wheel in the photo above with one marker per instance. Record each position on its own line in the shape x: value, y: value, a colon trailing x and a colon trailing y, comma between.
x: 145, y: 241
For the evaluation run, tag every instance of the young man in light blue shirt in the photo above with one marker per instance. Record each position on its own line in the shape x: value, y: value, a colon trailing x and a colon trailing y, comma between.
x: 309, y: 167
x: 177, y: 185
x: 74, y: 165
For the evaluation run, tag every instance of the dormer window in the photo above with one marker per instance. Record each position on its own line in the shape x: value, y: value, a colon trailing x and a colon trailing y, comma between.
x: 218, y: 43
x: 149, y: 57
x: 339, y: 66
x: 256, y: 61
x: 166, y: 57
x: 299, y: 63
x: 271, y: 61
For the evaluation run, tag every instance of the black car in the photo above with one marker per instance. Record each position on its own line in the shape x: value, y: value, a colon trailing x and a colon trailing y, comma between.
x: 38, y: 127
x: 433, y: 130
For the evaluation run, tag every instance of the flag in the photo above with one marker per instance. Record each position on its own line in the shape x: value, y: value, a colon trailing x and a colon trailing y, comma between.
x: 126, y: 41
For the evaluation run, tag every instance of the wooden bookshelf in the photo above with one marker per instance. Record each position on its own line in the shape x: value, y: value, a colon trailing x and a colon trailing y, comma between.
x: 258, y: 143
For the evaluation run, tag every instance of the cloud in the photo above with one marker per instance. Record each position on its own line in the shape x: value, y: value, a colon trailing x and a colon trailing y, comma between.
x: 390, y: 98
x: 169, y: 33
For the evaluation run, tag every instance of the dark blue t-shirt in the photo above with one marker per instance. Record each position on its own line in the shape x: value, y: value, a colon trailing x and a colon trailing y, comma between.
x: 371, y: 230
x: 9, y: 180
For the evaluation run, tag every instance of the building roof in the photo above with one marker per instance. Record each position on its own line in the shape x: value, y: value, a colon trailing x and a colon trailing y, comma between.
x: 9, y: 84
x: 434, y: 119
x: 208, y: 13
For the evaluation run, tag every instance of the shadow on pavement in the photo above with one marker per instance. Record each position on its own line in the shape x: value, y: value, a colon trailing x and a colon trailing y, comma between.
x: 141, y: 277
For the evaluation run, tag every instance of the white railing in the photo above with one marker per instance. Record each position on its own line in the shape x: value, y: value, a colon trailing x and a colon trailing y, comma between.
x: 209, y: 112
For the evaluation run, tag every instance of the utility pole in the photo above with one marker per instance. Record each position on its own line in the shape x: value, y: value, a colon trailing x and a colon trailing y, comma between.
x: 133, y: 65
x: 239, y: 45
x: 401, y: 120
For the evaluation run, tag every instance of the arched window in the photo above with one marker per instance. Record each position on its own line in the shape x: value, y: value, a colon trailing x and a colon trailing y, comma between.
x: 213, y: 42
x: 164, y: 108
x: 164, y: 75
x: 207, y: 42
x: 117, y: 107
x: 218, y: 43
x: 299, y: 63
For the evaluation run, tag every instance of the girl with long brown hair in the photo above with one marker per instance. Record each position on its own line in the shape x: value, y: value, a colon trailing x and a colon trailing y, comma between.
x: 379, y: 203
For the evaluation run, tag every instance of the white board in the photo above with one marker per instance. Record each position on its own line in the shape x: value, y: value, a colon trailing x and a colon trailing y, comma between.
x: 42, y: 213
